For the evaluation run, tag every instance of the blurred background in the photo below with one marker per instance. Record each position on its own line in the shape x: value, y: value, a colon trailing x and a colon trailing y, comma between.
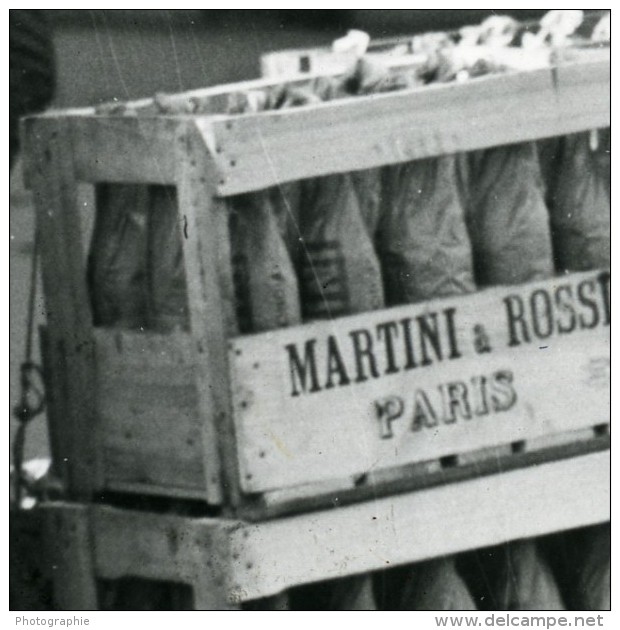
x: 130, y: 53
x: 101, y: 55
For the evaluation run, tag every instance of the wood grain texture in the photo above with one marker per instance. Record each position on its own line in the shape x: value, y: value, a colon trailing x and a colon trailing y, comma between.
x: 230, y: 561
x: 69, y: 319
x: 69, y: 556
x: 206, y: 248
x: 256, y: 151
x: 123, y: 149
x: 424, y: 475
x: 560, y: 384
x: 167, y: 547
x: 148, y: 409
x: 411, y: 527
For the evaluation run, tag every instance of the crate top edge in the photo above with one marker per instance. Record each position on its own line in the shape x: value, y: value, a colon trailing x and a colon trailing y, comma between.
x: 140, y: 108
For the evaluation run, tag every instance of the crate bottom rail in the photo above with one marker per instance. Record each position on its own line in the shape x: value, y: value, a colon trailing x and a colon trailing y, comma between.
x: 227, y: 562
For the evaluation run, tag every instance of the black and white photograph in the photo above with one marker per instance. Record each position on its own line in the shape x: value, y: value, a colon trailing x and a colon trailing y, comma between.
x: 310, y: 310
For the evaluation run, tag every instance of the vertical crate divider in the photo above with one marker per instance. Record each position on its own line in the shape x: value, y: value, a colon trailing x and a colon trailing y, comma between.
x: 212, y: 319
x: 69, y: 320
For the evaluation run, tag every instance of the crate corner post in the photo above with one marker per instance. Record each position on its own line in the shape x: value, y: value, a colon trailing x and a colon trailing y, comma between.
x: 69, y: 547
x: 211, y: 304
x: 51, y: 167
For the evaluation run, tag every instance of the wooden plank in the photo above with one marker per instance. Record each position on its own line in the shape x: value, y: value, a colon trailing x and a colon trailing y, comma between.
x: 69, y: 550
x: 228, y: 561
x: 416, y: 526
x: 165, y: 547
x: 415, y: 477
x: 148, y: 409
x: 69, y: 318
x: 55, y: 410
x: 206, y: 247
x: 87, y: 210
x: 212, y: 561
x: 149, y: 488
x: 124, y: 149
x: 256, y: 151
x: 333, y: 398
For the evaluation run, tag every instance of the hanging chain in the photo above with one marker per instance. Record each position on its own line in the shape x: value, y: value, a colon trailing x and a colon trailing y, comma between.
x: 32, y: 395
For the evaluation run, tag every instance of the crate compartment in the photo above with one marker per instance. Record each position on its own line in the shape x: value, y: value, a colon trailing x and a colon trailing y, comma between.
x: 331, y: 399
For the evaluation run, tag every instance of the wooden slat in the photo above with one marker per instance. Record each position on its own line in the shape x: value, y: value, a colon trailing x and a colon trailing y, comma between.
x: 419, y: 476
x: 289, y: 435
x: 124, y: 149
x: 164, y: 547
x: 148, y: 410
x: 405, y: 125
x: 416, y: 526
x: 257, y: 151
x: 148, y: 488
x: 68, y: 553
x: 229, y: 561
x: 55, y: 404
x: 206, y: 246
x: 69, y: 318
x: 87, y: 212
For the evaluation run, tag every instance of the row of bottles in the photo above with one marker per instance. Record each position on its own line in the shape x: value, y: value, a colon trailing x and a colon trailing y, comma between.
x: 429, y: 228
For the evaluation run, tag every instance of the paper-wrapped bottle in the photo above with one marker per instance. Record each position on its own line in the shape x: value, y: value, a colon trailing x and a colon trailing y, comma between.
x: 422, y: 238
x: 167, y: 286
x: 508, y: 220
x: 339, y: 270
x: 117, y: 259
x: 581, y: 206
x: 436, y: 585
x: 592, y: 590
x: 526, y: 581
x: 266, y: 287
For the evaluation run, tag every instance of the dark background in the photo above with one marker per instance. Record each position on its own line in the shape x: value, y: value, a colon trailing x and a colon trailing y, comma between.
x: 130, y: 53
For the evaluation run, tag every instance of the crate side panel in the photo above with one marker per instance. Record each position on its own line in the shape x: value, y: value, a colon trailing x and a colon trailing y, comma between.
x: 124, y: 149
x: 256, y: 151
x: 148, y: 407
x: 332, y: 399
x: 391, y: 531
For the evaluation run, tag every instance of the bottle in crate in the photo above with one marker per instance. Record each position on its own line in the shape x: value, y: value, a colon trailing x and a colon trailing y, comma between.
x: 507, y: 217
x: 267, y: 294
x: 580, y: 202
x: 339, y: 270
x: 117, y: 259
x: 422, y: 239
x: 167, y: 287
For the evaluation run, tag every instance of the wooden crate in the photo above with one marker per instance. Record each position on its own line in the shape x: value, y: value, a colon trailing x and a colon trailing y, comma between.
x: 216, y: 416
